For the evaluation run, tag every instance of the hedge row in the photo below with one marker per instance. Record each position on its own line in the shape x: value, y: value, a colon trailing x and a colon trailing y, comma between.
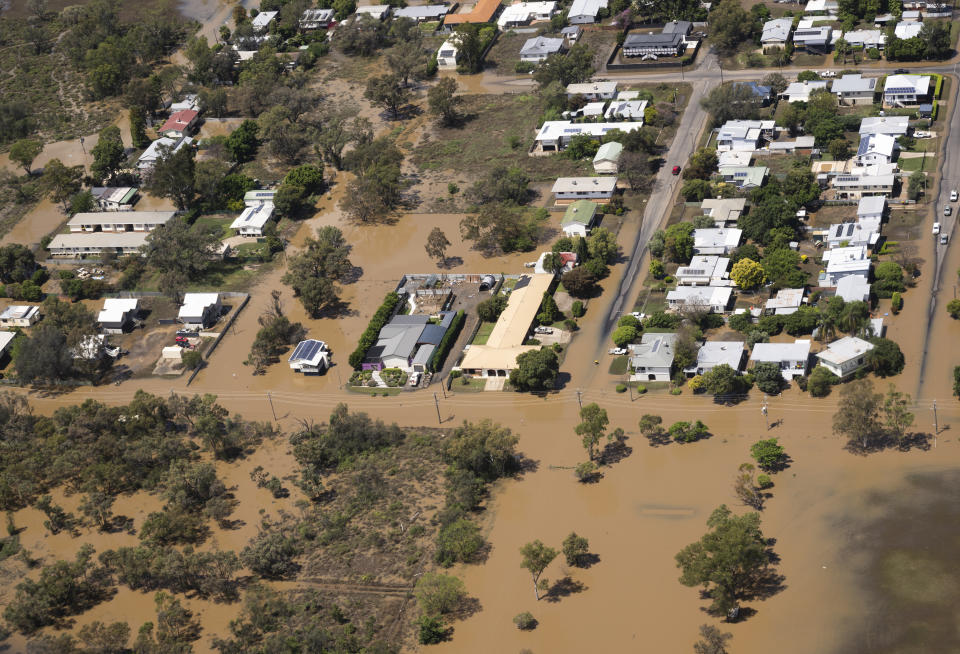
x: 370, y: 334
x: 440, y: 354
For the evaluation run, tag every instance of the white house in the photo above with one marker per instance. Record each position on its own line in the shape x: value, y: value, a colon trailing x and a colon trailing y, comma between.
x: 448, y: 52
x: 892, y: 125
x: 96, y: 243
x: 579, y: 218
x: 190, y: 101
x: 714, y: 240
x: 743, y: 134
x: 715, y: 353
x: 539, y: 48
x: 314, y: 19
x: 654, y: 45
x: 821, y: 7
x: 119, y: 221
x: 712, y: 299
x: 421, y: 13
x: 6, y: 338
x: 866, y: 39
x: 117, y: 314
x: 854, y: 288
x: 854, y: 89
x: 724, y: 211
x: 262, y: 20
x: 571, y: 189
x: 522, y: 13
x: 200, y: 310
x: 252, y: 220
x: 379, y: 12
x: 621, y: 109
x: 900, y: 90
x: 706, y: 270
x: 19, y: 315
x: 607, y: 158
x: 871, y: 209
x: 652, y: 358
x: 845, y: 356
x: 776, y: 32
x: 310, y: 357
x: 149, y: 157
x: 862, y: 183
x: 845, y: 234
x: 583, y: 12
x: 876, y: 149
x: 555, y: 135
x: 793, y: 358
x: 785, y: 302
x: 813, y: 38
x: 593, y: 90
x: 744, y: 177
x: 800, y: 91
x: 907, y: 30
x: 114, y: 198
x: 841, y: 262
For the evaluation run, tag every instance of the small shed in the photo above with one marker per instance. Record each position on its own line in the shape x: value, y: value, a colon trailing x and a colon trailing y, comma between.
x: 607, y: 158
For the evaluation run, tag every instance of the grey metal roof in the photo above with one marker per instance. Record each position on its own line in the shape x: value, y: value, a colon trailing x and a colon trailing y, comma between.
x: 432, y: 334
x: 541, y: 45
x: 661, y: 39
x: 678, y: 27
x: 424, y: 353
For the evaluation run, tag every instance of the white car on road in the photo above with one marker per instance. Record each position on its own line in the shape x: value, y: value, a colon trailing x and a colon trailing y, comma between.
x: 936, y: 228
x: 953, y: 196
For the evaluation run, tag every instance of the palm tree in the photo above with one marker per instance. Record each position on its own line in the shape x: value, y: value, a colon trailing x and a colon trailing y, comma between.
x: 826, y: 324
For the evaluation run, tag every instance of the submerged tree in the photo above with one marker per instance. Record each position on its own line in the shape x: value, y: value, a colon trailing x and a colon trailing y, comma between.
x: 536, y: 558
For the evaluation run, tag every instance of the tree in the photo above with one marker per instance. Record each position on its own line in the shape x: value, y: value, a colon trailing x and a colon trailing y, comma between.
x: 687, y: 432
x: 745, y: 487
x: 407, y: 59
x: 536, y: 370
x: 387, y: 91
x: 438, y: 593
x: 936, y: 38
x: 730, y: 101
x: 769, y: 454
x: 312, y: 272
x: 97, y: 507
x: 180, y: 253
x: 712, y: 640
x: 729, y: 25
x: 24, y: 152
x: 721, y: 380
x: 767, y: 377
x: 575, y: 66
x: 502, y: 184
x: 535, y: 558
x: 728, y: 561
x: 437, y: 245
x: 777, y: 83
x: 885, y: 359
x: 575, y: 548
x: 63, y: 181
x: 602, y: 245
x: 549, y: 311
x: 839, y: 149
x: 579, y: 282
x: 593, y: 423
x: 44, y: 356
x: 820, y: 382
x: 624, y: 335
x: 917, y: 184
x: 703, y: 164
x: 896, y: 417
x: 172, y: 176
x: 101, y: 638
x: 17, y: 263
x: 857, y: 417
x: 443, y: 101
x: 458, y: 541
x: 108, y: 154
x: 242, y: 142
x: 490, y: 309
x: 748, y: 274
x: 782, y: 267
x: 953, y: 308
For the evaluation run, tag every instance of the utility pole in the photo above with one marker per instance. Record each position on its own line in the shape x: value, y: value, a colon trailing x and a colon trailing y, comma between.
x: 936, y: 427
x: 579, y: 401
x: 763, y: 410
x: 437, y: 404
x: 681, y: 70
x: 443, y: 389
x: 270, y: 398
x: 82, y: 147
x: 631, y: 389
x: 720, y: 66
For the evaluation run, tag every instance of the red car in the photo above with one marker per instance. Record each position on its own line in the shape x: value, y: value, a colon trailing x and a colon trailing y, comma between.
x: 676, y: 170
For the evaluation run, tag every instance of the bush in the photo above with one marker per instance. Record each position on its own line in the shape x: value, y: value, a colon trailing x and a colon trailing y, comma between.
x: 624, y: 335
x: 820, y: 381
x: 740, y: 322
x: 768, y: 454
x: 370, y: 334
x: 621, y: 388
x: 431, y: 630
x: 696, y: 383
x: 523, y: 67
x: 577, y: 310
x: 676, y: 391
x: 525, y: 621
x: 896, y: 303
x: 440, y: 354
x: 640, y: 389
x: 687, y: 432
x: 585, y: 471
x: 764, y: 481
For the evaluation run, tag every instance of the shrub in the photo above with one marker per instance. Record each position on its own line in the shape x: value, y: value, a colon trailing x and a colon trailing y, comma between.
x: 768, y: 454
x: 370, y: 334
x: 585, y: 471
x: 440, y: 354
x: 764, y: 481
x: 525, y: 621
x: 687, y: 432
x: 621, y: 388
x: 624, y: 335
x: 577, y: 310
x: 641, y: 389
x: 740, y: 322
x: 696, y: 383
x: 820, y: 381
x: 896, y: 302
x: 676, y: 391
x: 431, y: 630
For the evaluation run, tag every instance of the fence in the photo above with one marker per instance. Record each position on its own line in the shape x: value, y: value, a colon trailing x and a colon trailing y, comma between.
x: 223, y: 332
x: 687, y: 60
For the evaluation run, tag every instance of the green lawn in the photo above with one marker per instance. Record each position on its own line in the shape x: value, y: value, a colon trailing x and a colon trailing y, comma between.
x: 915, y: 163
x: 472, y: 385
x: 483, y: 333
x: 618, y: 366
x: 364, y: 390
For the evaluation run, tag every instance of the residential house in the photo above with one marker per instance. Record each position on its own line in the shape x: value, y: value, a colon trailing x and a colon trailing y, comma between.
x: 715, y: 353
x: 190, y: 101
x: 856, y: 186
x: 712, y: 240
x: 652, y: 358
x: 855, y: 234
x: 571, y: 33
x: 620, y: 109
x: 705, y: 270
x: 483, y: 12
x: 925, y: 110
x: 379, y: 12
x: 6, y: 338
x: 152, y: 153
x: 800, y: 91
x: 844, y: 261
x: 570, y: 189
x: 314, y: 19
x: 678, y: 27
x: 583, y: 12
x: 776, y: 32
x: 607, y: 158
x: 310, y: 357
x: 421, y: 13
x: 866, y: 39
x: 408, y: 342
x: 712, y: 299
x: 743, y: 134
x: 591, y: 110
x: 854, y: 89
x: 579, y: 218
x: 876, y: 149
x: 261, y: 21
x: 555, y: 135
x: 115, y: 222
x: 762, y: 94
x: 593, y: 90
x: 799, y: 145
x: 845, y: 356
x: 200, y: 310
x: 724, y: 211
x: 180, y: 124
x: 118, y: 314
x: 871, y: 209
x: 539, y: 48
x: 821, y: 7
x: 653, y: 45
x: 110, y: 198
x: 793, y: 358
x: 20, y: 315
x: 744, y: 177
x: 901, y: 90
x: 813, y: 39
x: 854, y: 288
x: 448, y: 53
x: 785, y: 302
x: 734, y: 158
x: 911, y: 16
x: 498, y: 356
x: 79, y: 245
x: 905, y: 30
x: 891, y: 125
x: 523, y: 13
x: 568, y: 261
x: 253, y: 219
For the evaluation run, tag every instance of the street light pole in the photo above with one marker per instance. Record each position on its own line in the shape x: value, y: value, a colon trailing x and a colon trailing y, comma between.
x: 437, y: 404
x: 579, y: 401
x: 763, y: 410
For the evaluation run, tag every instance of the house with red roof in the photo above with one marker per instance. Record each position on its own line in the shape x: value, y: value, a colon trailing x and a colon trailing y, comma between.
x: 180, y: 123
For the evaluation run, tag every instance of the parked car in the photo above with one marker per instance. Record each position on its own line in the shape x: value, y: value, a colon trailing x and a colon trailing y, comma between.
x: 828, y: 73
x: 543, y: 330
x: 953, y: 196
x: 617, y: 350
x: 936, y: 228
x: 414, y: 378
x: 902, y: 71
x: 943, y: 239
x: 947, y: 210
x: 676, y: 170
